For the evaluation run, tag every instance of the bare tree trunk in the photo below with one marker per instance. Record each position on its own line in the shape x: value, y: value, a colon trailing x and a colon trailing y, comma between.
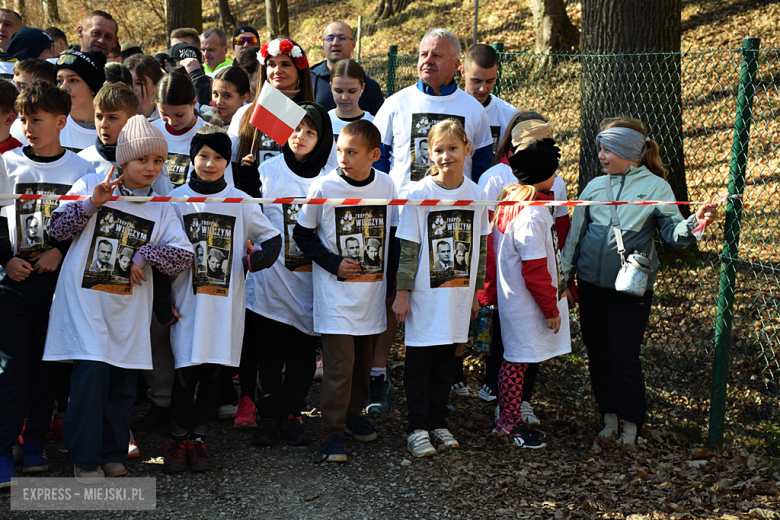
x: 51, y: 12
x: 183, y: 13
x: 20, y: 8
x: 226, y: 18
x: 554, y: 30
x: 271, y: 19
x: 283, y: 18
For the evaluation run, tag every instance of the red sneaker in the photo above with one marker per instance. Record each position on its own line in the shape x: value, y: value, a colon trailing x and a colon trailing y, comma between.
x: 132, y: 448
x: 245, y: 415
x: 175, y: 457
x: 198, y: 456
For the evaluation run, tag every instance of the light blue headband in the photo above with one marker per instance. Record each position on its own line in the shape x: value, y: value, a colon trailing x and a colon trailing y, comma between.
x: 626, y: 143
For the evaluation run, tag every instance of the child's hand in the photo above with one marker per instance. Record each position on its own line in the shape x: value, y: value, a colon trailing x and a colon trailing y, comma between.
x: 250, y: 247
x: 18, y: 270
x: 554, y: 323
x: 47, y: 261
x: 105, y: 190
x: 136, y: 275
x: 706, y: 213
x: 190, y: 64
x: 401, y: 305
x: 248, y: 160
x: 174, y: 311
x: 475, y: 306
x: 348, y: 268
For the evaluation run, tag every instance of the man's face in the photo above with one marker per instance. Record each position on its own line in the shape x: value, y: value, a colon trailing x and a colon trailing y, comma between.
x: 436, y: 64
x: 424, y: 150
x: 353, y: 249
x: 242, y: 42
x: 459, y: 256
x: 213, y: 263
x: 372, y: 252
x: 337, y: 42
x: 9, y: 24
x: 199, y: 252
x: 104, y: 253
x: 478, y: 81
x: 444, y: 252
x: 213, y: 51
x: 99, y: 35
x: 32, y: 228
x: 124, y: 262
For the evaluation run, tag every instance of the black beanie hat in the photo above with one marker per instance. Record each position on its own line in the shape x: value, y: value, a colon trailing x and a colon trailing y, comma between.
x: 536, y: 163
x: 219, y: 142
x: 90, y: 66
x: 246, y: 28
x: 28, y: 42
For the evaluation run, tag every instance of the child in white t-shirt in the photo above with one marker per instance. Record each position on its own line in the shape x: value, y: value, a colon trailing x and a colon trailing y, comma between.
x: 210, y: 294
x: 350, y: 247
x: 436, y: 289
x: 100, y: 320
x: 347, y: 83
x: 531, y: 288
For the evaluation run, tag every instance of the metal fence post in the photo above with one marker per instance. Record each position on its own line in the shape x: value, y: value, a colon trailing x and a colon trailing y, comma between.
x: 392, y: 64
x: 739, y: 151
x: 499, y: 47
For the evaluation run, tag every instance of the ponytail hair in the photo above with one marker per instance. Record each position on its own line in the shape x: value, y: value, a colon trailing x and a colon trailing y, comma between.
x: 651, y: 158
x: 441, y: 130
x: 512, y: 192
x: 175, y: 89
x: 348, y: 69
x: 506, y: 142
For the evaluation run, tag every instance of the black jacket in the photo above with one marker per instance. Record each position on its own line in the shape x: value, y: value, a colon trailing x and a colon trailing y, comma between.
x: 370, y: 101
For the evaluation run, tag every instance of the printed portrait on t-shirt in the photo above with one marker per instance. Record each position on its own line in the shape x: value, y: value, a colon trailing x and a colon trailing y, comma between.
x: 32, y: 217
x: 122, y: 263
x: 211, y: 235
x: 266, y: 148
x: 360, y: 235
x: 449, y: 236
x: 117, y: 237
x: 177, y: 165
x: 294, y: 259
x: 421, y: 125
x: 495, y: 133
x: 267, y: 156
x: 558, y: 261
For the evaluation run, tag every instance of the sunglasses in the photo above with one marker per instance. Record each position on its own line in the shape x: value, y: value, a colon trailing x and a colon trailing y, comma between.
x: 241, y: 40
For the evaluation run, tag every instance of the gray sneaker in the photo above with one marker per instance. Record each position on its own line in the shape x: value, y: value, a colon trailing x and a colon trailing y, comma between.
x: 380, y: 393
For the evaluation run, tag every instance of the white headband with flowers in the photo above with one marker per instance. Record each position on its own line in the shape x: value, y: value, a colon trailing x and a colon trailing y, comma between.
x: 277, y: 47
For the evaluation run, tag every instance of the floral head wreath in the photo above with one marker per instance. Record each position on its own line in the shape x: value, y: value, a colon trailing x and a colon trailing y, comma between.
x: 277, y: 47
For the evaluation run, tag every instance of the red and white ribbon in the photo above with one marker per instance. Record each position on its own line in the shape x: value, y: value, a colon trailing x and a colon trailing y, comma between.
x: 369, y: 202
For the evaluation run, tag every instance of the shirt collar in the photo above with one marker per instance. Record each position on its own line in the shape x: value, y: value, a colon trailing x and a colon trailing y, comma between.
x: 445, y: 90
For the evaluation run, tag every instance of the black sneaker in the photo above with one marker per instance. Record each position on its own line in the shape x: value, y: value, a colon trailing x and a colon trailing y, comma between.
x: 267, y: 432
x: 525, y: 437
x: 380, y: 393
x: 154, y: 419
x: 293, y: 431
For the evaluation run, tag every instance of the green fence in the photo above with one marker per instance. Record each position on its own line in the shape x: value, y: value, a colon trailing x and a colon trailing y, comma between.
x: 712, y: 354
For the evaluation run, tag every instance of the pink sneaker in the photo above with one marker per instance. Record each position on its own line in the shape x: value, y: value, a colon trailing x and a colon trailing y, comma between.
x: 245, y: 415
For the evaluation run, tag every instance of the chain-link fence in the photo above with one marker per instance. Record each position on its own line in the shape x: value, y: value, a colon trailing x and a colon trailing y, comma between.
x: 691, y: 102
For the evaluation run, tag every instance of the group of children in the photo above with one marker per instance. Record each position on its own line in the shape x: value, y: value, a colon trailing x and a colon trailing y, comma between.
x: 311, y: 274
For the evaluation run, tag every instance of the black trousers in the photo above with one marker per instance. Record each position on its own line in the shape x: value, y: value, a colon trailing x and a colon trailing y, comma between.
x: 27, y: 384
x: 496, y: 357
x: 613, y: 325
x: 427, y: 381
x: 187, y: 416
x: 282, y: 346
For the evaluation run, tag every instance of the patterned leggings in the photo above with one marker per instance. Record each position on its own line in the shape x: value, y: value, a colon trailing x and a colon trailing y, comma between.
x: 510, y: 394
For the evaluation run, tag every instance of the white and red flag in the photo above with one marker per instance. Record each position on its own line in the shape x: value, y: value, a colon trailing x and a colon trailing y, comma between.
x: 275, y: 114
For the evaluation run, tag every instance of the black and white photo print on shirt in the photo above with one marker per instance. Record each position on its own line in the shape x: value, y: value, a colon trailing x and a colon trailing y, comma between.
x: 211, y: 236
x: 294, y: 259
x: 117, y: 234
x: 32, y: 217
x: 558, y: 261
x: 495, y: 133
x: 178, y: 166
x: 450, y: 242
x: 421, y: 125
x: 360, y: 235
x: 266, y: 149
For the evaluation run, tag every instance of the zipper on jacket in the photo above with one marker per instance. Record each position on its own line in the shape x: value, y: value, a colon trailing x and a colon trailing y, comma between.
x: 606, y: 235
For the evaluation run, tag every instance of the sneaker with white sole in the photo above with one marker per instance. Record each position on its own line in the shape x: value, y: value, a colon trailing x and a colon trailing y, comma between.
x: 226, y: 411
x: 419, y: 444
x: 443, y: 436
x: 529, y: 418
x: 486, y: 394
x: 461, y: 389
x: 522, y: 436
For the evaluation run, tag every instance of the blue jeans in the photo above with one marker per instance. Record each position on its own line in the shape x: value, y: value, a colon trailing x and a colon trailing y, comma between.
x: 96, y: 426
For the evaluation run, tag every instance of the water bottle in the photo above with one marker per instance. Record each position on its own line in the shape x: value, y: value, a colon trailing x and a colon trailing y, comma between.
x: 484, y: 329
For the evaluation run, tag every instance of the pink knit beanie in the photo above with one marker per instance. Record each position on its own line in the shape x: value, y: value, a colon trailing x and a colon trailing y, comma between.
x: 139, y: 138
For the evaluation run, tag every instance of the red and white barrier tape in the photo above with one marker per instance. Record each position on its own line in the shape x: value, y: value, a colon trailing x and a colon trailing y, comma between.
x: 368, y: 202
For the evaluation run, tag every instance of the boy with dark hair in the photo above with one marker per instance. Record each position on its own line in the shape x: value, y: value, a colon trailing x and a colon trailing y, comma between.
x: 29, y: 273
x: 7, y: 117
x: 32, y: 70
x: 59, y: 37
x: 349, y: 315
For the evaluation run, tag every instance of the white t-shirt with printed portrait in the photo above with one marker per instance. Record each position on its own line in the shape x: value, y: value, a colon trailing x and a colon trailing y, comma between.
x: 212, y: 292
x: 446, y: 275
x: 355, y: 306
x: 161, y: 184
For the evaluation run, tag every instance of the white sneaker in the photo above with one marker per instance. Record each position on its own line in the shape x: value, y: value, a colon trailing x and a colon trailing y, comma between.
x: 419, y: 444
x: 486, y: 394
x: 444, y: 436
x: 527, y: 412
x: 226, y: 411
x: 461, y: 389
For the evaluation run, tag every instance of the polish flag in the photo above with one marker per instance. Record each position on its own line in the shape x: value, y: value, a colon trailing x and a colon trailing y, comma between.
x: 275, y: 114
